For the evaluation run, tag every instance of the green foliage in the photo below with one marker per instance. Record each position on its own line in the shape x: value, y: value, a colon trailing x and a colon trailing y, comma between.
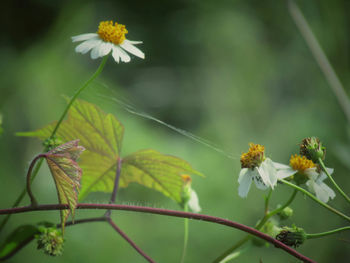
x: 102, y: 135
x: 66, y: 173
x: 17, y: 239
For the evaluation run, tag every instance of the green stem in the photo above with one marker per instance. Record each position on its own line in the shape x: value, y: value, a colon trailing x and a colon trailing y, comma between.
x: 38, y: 166
x: 185, y: 235
x: 258, y: 226
x: 331, y: 232
x: 332, y: 180
x: 267, y: 200
x: 333, y: 210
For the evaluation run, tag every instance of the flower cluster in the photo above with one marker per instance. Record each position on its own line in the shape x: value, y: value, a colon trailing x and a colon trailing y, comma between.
x: 302, y: 169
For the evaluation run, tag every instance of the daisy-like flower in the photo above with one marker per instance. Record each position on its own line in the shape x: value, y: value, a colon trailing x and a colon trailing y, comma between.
x: 306, y: 171
x: 256, y: 167
x: 109, y: 37
x: 189, y: 196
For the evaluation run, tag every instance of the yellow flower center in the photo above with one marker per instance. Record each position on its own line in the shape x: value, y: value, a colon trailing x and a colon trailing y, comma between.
x: 254, y: 157
x: 112, y: 33
x: 300, y: 163
x: 186, y: 178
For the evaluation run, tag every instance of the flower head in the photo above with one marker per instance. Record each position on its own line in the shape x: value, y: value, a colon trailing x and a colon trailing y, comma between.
x: 109, y: 37
x: 256, y: 167
x: 312, y: 148
x: 292, y: 236
x: 189, y: 196
x: 50, y: 240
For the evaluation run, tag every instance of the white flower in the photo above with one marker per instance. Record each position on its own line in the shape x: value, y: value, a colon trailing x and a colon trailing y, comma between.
x: 306, y: 171
x: 264, y: 176
x: 318, y: 187
x: 109, y: 37
x: 193, y: 203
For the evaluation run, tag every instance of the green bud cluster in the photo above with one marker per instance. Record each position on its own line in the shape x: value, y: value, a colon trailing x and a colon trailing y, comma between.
x: 50, y: 240
x: 312, y: 149
x: 292, y: 236
x: 51, y: 143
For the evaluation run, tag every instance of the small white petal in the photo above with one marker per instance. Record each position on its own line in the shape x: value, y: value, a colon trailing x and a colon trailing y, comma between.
x: 132, y: 49
x: 105, y: 48
x: 133, y: 42
x: 83, y: 37
x: 259, y: 182
x: 270, y: 169
x: 123, y: 55
x: 330, y: 170
x: 322, y: 191
x: 327, y: 189
x: 311, y: 173
x: 244, y: 183
x: 87, y: 45
x: 193, y: 203
x: 115, y: 54
x: 280, y: 166
x: 95, y: 53
x: 284, y: 173
x: 243, y: 173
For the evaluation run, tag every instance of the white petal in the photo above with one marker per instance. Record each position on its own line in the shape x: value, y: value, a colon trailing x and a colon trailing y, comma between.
x: 327, y: 189
x: 83, y: 37
x: 193, y: 203
x: 244, y: 184
x: 270, y: 169
x: 133, y: 42
x: 243, y: 173
x: 280, y: 166
x: 105, y: 48
x: 330, y: 170
x: 322, y: 191
x: 132, y: 49
x: 311, y: 173
x: 284, y: 173
x: 259, y: 182
x: 95, y: 53
x: 87, y: 45
x: 123, y: 55
x: 115, y: 54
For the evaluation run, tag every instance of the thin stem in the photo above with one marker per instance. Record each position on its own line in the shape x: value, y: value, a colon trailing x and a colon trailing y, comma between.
x: 185, y: 235
x: 320, y: 58
x: 333, y: 210
x: 165, y: 212
x: 116, y: 228
x: 77, y: 93
x: 116, y: 185
x: 332, y: 180
x: 258, y: 226
x: 38, y: 166
x: 29, y: 180
x: 267, y: 200
x: 331, y: 232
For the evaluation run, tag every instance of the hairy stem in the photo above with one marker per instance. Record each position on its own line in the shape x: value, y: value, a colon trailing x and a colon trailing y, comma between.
x: 320, y: 58
x: 116, y: 185
x: 116, y: 228
x: 332, y: 180
x: 165, y: 212
x: 29, y: 180
x: 38, y: 166
x: 333, y: 210
x: 262, y: 222
x: 331, y: 232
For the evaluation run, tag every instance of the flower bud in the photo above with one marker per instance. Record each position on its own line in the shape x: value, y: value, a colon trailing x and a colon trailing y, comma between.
x: 312, y: 149
x: 50, y: 240
x: 292, y: 236
x: 51, y: 143
x: 286, y: 213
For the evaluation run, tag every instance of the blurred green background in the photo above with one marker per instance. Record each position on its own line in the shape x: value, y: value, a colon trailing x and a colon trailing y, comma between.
x: 232, y: 72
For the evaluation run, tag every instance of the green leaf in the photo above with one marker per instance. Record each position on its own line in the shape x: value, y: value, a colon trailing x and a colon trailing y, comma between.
x: 66, y: 173
x: 16, y: 240
x: 157, y: 171
x: 102, y: 135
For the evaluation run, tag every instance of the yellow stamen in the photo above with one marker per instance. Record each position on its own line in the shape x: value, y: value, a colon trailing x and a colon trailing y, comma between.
x: 300, y: 163
x: 112, y: 33
x: 254, y: 157
x: 186, y: 178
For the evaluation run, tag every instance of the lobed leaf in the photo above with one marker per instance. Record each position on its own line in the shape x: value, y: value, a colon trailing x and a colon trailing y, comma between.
x: 102, y: 135
x: 66, y: 174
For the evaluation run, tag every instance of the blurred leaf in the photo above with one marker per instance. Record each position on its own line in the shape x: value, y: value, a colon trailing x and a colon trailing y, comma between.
x: 102, y: 134
x: 1, y: 129
x: 157, y: 171
x: 16, y: 240
x: 66, y: 173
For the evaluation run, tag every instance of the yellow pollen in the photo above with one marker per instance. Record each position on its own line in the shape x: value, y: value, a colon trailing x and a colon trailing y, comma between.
x: 186, y: 178
x: 253, y: 157
x: 300, y: 163
x: 112, y: 33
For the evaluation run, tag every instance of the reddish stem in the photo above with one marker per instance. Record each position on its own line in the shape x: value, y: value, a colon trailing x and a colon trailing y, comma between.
x: 166, y: 212
x: 29, y: 173
x: 120, y: 232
